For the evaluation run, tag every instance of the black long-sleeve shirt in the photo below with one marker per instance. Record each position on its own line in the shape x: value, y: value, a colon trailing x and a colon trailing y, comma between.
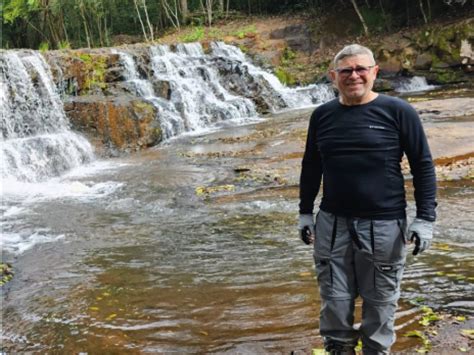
x: 357, y: 150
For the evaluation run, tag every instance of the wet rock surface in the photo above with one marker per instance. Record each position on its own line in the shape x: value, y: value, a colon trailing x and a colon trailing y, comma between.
x: 115, y: 124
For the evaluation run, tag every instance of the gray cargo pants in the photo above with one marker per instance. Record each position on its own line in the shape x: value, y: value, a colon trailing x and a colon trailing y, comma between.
x: 363, y: 257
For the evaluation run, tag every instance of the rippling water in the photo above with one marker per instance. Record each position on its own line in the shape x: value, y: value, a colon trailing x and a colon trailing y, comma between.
x: 149, y: 266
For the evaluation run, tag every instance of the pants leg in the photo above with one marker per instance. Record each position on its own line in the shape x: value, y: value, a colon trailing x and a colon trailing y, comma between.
x: 377, y: 330
x: 379, y: 267
x: 333, y: 255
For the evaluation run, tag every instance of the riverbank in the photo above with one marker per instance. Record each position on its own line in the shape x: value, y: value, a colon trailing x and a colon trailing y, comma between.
x: 299, y: 48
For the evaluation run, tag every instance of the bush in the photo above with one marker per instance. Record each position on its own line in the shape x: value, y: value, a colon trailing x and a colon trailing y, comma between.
x: 43, y: 47
x: 195, y: 35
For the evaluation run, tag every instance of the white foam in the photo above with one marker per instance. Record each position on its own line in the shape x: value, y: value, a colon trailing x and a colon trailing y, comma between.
x: 415, y: 84
x: 18, y: 244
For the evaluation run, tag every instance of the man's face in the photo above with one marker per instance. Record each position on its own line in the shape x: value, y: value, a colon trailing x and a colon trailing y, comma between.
x: 355, y: 86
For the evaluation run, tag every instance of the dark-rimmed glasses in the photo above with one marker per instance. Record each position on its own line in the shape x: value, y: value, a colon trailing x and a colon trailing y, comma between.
x: 360, y: 70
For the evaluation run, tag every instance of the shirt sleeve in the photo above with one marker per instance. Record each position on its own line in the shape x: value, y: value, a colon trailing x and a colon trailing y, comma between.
x: 311, y: 170
x: 416, y: 147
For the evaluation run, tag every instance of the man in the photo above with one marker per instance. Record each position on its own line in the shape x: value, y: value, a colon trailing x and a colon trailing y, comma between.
x: 355, y: 143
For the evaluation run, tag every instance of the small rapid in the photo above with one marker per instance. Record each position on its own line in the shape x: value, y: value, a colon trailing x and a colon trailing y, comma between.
x: 414, y: 84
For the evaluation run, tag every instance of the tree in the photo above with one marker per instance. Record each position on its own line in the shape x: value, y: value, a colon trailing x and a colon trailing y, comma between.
x: 172, y: 12
x: 184, y: 11
x: 422, y: 11
x: 209, y: 4
x: 361, y: 18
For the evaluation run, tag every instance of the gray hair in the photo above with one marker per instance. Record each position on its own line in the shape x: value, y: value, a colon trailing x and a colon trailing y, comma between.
x: 353, y: 50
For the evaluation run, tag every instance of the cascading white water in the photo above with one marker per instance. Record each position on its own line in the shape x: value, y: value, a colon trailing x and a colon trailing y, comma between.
x: 197, y: 99
x: 170, y: 119
x: 293, y: 98
x: 36, y: 140
x: 195, y: 89
x: 416, y: 83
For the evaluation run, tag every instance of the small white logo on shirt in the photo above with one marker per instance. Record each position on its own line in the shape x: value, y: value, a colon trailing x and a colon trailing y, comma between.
x: 377, y: 127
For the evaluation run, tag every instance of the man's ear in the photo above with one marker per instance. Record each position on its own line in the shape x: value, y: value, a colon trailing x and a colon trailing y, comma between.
x: 376, y: 69
x: 332, y: 74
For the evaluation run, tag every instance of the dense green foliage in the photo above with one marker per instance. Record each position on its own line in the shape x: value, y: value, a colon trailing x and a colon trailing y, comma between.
x: 49, y: 24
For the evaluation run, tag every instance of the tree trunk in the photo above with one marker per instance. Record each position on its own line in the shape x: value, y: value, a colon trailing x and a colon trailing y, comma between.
x: 150, y: 27
x: 209, y: 12
x: 423, y: 11
x: 361, y: 18
x: 84, y: 22
x: 387, y: 23
x: 171, y: 14
x: 64, y: 27
x: 140, y: 19
x: 221, y: 6
x: 184, y: 11
x: 227, y: 9
x: 429, y: 9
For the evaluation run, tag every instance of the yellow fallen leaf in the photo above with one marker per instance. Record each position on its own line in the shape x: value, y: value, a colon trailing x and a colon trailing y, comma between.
x: 112, y: 316
x: 318, y: 352
x: 200, y: 190
x: 443, y: 246
x: 204, y: 333
x: 94, y: 308
x: 414, y: 333
x: 304, y: 274
x: 460, y: 318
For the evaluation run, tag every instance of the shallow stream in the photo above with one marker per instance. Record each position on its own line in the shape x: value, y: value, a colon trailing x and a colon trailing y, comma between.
x: 127, y: 256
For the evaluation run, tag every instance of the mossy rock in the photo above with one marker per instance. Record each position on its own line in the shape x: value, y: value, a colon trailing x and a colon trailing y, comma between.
x: 446, y: 76
x: 94, y: 68
x: 143, y: 108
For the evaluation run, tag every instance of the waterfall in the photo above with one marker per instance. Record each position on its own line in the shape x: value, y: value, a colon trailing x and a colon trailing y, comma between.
x: 292, y: 97
x: 191, y: 90
x: 196, y: 99
x: 198, y: 95
x: 37, y: 142
x: 416, y: 83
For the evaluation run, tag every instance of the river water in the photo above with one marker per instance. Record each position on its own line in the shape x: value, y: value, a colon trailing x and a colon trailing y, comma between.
x: 127, y: 256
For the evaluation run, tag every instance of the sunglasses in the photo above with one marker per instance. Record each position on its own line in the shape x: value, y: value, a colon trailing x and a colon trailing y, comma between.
x: 360, y: 70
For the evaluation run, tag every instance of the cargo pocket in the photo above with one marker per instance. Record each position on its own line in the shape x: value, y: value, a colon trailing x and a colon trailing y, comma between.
x: 387, y: 280
x: 325, y: 277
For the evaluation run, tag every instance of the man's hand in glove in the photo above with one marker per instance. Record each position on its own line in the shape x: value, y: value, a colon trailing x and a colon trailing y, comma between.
x: 420, y: 232
x: 306, y: 228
